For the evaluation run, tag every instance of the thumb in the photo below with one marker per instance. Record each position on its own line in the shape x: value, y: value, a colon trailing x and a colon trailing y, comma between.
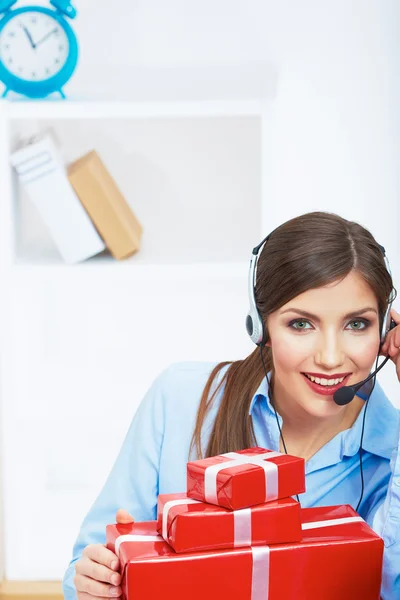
x: 123, y: 516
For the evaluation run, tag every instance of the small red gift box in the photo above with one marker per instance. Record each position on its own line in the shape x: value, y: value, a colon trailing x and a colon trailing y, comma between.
x: 189, y: 525
x: 339, y: 557
x: 245, y: 478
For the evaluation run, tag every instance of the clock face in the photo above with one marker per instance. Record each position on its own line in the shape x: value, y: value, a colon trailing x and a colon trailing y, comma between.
x: 33, y: 46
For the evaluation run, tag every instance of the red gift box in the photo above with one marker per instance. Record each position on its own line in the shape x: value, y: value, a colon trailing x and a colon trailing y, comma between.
x: 339, y: 557
x: 245, y: 478
x: 189, y: 525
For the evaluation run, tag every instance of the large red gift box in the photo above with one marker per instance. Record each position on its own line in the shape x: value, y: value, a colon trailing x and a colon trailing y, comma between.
x: 189, y: 525
x: 245, y: 478
x: 339, y: 558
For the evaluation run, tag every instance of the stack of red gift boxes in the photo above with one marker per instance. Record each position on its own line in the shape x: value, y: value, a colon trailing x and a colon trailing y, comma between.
x: 238, y: 534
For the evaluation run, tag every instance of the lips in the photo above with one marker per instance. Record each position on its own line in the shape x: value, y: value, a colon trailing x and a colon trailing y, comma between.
x: 325, y: 390
x: 324, y: 376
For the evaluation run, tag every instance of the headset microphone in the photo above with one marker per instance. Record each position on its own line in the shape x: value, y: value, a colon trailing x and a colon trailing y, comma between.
x: 345, y: 394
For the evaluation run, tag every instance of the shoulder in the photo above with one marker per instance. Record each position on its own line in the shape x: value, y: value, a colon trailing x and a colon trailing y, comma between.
x: 183, y: 381
x: 176, y: 392
x: 180, y: 394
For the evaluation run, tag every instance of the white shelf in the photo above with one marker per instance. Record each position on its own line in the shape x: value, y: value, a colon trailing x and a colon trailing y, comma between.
x: 161, y: 87
x: 108, y: 271
x: 127, y: 110
x: 151, y: 92
x: 195, y: 186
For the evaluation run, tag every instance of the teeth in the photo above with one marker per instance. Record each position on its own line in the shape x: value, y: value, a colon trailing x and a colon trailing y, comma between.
x: 323, y: 381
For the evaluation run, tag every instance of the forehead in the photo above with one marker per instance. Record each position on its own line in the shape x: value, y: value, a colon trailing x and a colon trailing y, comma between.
x: 349, y: 294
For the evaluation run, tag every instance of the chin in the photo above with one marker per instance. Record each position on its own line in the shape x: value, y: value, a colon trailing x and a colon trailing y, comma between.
x: 327, y: 407
x: 319, y: 405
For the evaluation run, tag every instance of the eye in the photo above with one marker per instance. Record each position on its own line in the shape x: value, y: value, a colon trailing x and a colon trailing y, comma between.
x: 299, y: 324
x: 360, y: 324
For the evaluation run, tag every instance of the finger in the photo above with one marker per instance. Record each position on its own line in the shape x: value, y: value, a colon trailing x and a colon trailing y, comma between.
x: 393, y: 334
x: 92, y: 569
x: 393, y: 350
x: 395, y: 316
x: 396, y: 337
x: 102, y: 555
x: 96, y: 588
x: 123, y: 516
x: 383, y: 350
x: 85, y: 596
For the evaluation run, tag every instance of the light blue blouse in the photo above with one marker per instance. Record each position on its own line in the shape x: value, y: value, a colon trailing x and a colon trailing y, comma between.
x: 154, y: 454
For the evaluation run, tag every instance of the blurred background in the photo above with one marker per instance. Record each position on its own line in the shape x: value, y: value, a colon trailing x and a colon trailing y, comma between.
x: 217, y: 121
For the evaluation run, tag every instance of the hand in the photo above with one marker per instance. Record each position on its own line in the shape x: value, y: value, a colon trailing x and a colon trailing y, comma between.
x: 391, y: 347
x: 96, y: 573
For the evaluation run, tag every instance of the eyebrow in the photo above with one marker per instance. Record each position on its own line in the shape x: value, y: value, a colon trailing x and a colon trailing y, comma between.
x: 304, y: 313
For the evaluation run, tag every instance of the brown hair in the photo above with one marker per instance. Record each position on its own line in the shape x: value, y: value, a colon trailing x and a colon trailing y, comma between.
x: 307, y: 252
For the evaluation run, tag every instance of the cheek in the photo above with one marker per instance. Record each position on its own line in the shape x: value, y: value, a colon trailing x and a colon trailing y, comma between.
x: 290, y: 353
x: 364, y: 351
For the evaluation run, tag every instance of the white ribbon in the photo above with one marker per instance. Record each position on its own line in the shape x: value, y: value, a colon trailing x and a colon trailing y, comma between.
x: 135, y: 538
x: 242, y: 527
x: 330, y: 522
x: 167, y: 507
x: 260, y: 573
x: 270, y: 471
x: 241, y: 521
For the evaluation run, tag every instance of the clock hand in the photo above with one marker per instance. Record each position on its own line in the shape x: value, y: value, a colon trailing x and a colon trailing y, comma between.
x: 29, y: 37
x: 46, y: 36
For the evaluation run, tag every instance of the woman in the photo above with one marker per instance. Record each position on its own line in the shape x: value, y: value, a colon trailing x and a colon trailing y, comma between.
x: 322, y: 290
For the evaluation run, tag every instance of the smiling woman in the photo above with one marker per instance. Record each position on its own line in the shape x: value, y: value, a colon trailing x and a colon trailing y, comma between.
x: 320, y: 311
x: 331, y: 273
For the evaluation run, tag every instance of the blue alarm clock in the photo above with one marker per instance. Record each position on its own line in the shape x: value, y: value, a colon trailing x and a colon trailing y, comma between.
x: 38, y: 48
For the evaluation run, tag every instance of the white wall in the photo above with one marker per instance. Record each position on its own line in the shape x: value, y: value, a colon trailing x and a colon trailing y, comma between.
x: 333, y: 131
x: 335, y: 124
x: 335, y: 127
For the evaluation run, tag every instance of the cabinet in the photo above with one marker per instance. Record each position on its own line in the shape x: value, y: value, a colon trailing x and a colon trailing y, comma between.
x: 79, y: 345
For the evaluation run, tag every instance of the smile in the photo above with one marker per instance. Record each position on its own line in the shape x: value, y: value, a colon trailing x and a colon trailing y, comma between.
x: 326, y: 385
x: 324, y: 381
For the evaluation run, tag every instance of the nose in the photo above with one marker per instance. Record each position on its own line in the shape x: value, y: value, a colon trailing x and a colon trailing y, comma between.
x: 329, y: 353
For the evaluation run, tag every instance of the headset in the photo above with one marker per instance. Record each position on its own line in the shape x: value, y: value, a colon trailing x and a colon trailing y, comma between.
x: 259, y: 335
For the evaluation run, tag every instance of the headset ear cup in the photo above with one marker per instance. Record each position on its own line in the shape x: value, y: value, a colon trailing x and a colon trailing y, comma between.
x: 254, y: 327
x: 249, y: 325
